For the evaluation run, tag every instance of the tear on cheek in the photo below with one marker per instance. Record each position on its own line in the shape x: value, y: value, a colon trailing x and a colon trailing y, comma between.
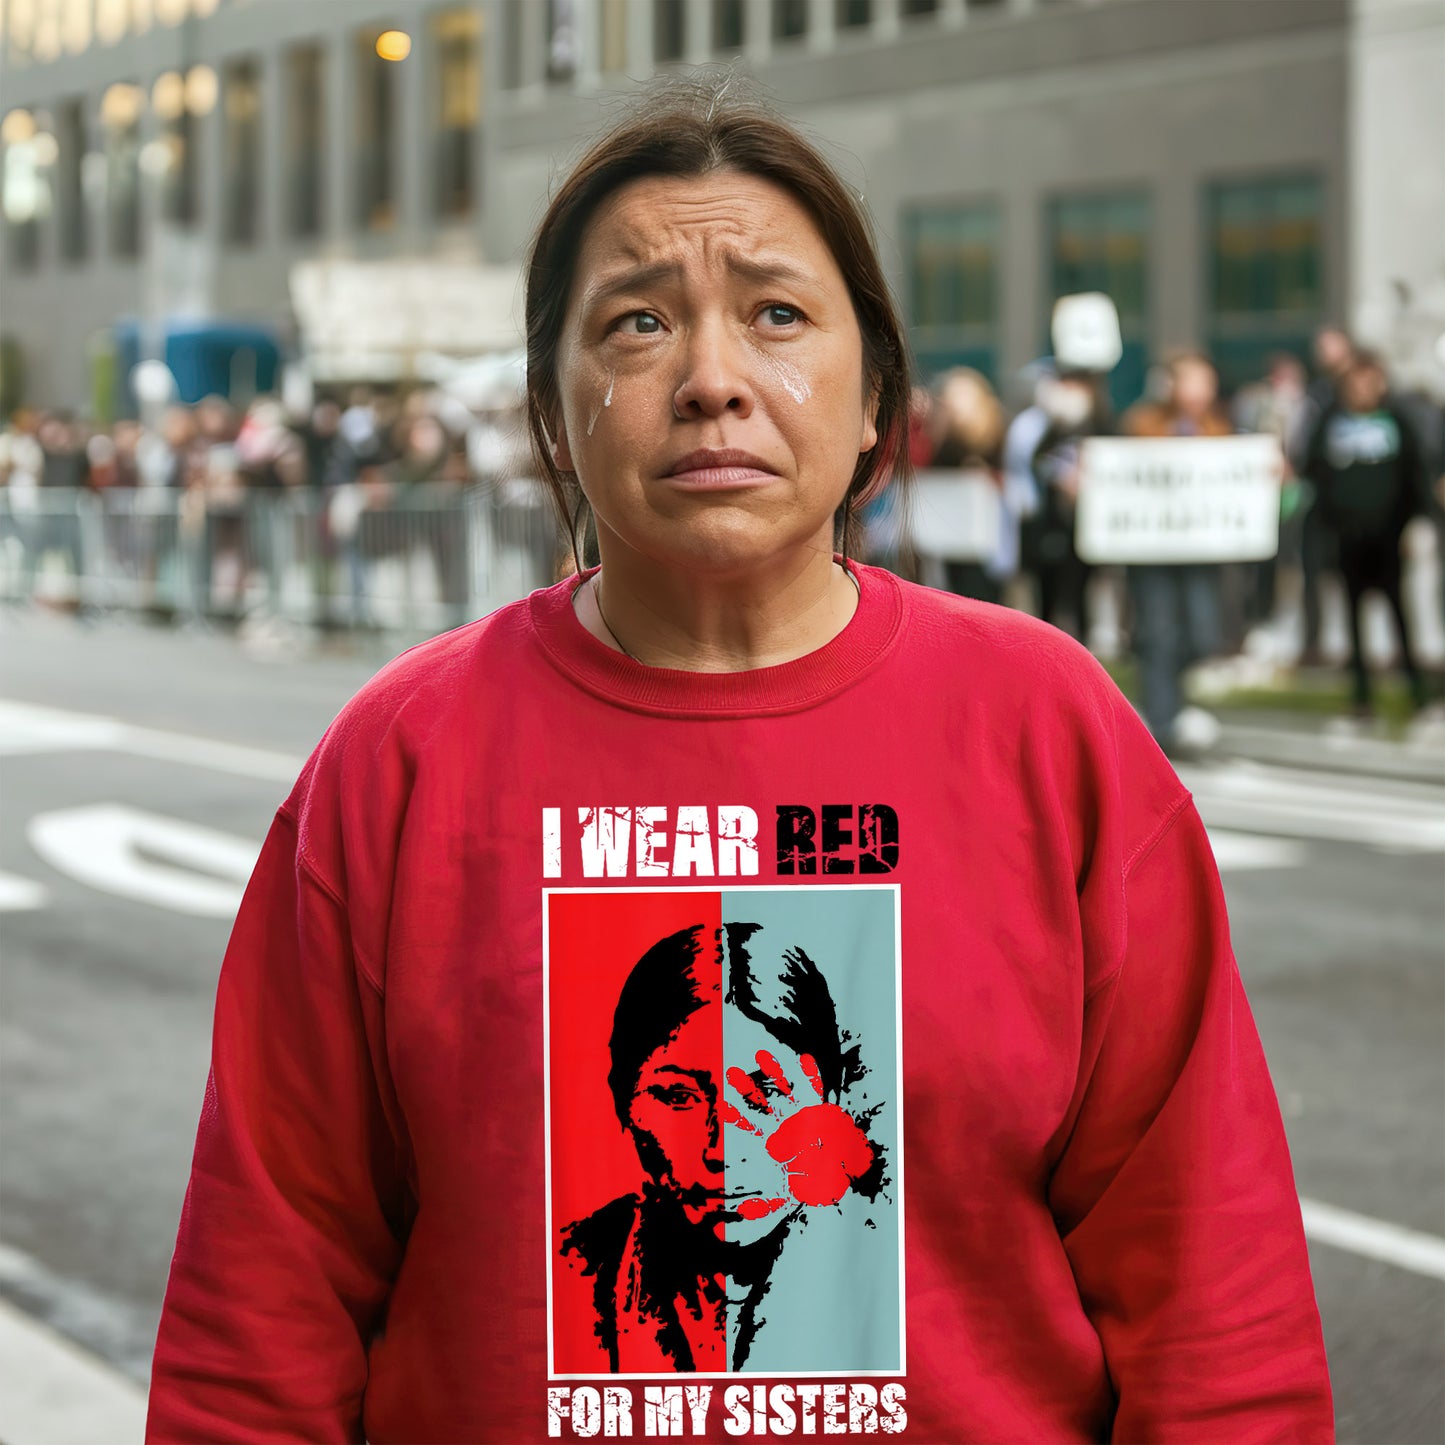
x: 606, y: 402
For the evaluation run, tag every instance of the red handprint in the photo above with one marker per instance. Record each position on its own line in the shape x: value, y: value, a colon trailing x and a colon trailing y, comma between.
x: 821, y: 1146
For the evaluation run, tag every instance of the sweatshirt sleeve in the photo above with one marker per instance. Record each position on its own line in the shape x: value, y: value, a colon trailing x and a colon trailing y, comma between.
x: 290, y: 1232
x: 1174, y: 1192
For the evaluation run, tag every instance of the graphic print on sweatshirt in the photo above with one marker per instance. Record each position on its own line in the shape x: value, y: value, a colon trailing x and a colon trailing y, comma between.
x: 724, y: 1131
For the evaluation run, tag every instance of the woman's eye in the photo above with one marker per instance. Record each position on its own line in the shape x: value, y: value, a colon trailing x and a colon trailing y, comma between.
x: 780, y: 315
x: 644, y: 322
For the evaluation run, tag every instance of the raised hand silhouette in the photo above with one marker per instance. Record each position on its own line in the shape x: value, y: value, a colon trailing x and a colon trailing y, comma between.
x: 821, y: 1148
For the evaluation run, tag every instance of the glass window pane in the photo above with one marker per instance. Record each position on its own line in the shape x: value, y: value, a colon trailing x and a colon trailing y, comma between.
x: 70, y: 189
x: 1101, y: 243
x: 374, y: 127
x: 667, y: 22
x: 952, y: 263
x: 457, y: 109
x: 853, y: 14
x: 727, y: 25
x: 241, y: 109
x: 790, y: 19
x: 305, y: 167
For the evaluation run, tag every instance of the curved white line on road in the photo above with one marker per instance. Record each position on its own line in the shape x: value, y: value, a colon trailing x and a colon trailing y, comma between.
x: 147, y: 857
x: 19, y: 895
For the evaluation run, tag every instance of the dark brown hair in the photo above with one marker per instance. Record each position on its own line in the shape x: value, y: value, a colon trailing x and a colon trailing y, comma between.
x: 690, y: 128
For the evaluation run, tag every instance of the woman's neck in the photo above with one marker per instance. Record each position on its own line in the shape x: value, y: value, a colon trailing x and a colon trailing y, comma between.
x: 717, y: 623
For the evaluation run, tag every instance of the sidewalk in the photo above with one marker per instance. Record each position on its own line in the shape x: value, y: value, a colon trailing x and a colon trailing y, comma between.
x: 1333, y: 744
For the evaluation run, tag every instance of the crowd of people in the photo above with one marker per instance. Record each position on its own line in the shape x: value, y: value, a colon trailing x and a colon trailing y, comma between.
x: 355, y: 463
x: 1361, y: 463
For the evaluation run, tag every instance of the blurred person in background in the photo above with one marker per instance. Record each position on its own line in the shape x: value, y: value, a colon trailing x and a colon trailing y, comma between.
x: 1069, y: 407
x: 21, y: 463
x: 213, y: 513
x: 1369, y: 471
x: 968, y: 433
x: 1176, y: 606
x: 1274, y: 406
x: 885, y: 528
x: 1333, y: 352
x: 64, y: 474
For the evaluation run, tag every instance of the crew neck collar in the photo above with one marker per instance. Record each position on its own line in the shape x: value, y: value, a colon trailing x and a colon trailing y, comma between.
x: 786, y: 687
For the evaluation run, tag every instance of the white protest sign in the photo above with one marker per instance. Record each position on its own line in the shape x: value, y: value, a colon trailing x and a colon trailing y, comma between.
x: 1085, y: 331
x: 955, y: 515
x: 1178, y: 499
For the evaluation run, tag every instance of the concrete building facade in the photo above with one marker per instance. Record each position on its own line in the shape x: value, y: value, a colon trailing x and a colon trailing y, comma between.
x: 1234, y: 174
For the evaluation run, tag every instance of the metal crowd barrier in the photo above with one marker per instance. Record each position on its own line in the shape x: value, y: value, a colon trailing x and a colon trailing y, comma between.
x: 415, y: 559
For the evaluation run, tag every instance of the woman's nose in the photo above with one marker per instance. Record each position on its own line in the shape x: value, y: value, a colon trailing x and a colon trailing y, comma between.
x: 716, y: 379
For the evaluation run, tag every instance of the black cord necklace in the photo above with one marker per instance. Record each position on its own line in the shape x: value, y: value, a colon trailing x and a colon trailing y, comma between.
x: 597, y: 598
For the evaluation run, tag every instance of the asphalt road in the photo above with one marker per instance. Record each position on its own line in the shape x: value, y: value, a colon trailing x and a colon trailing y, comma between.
x: 1334, y: 885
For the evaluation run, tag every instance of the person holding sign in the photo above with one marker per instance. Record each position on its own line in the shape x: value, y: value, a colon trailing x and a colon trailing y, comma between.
x: 1176, y: 605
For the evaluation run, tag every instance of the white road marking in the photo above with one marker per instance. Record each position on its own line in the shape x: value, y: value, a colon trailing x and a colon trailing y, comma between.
x: 26, y: 728
x: 19, y: 895
x: 1410, y: 1249
x: 144, y: 856
x: 1250, y: 852
x: 52, y: 1392
x: 1291, y: 802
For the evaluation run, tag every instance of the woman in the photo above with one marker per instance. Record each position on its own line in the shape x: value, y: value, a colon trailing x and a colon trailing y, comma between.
x: 725, y: 721
x: 970, y: 432
x: 1176, y: 606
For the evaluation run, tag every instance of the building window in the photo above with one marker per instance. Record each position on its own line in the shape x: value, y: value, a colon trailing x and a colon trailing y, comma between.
x: 1101, y: 243
x: 241, y: 163
x: 305, y: 139
x: 727, y: 26
x: 790, y: 19
x: 911, y: 9
x: 24, y: 187
x: 120, y: 112
x: 458, y: 109
x: 71, y: 135
x: 667, y: 30
x: 1266, y: 278
x: 951, y: 252
x: 512, y: 44
x: 853, y: 14
x: 177, y: 149
x: 374, y: 126
x: 612, y: 35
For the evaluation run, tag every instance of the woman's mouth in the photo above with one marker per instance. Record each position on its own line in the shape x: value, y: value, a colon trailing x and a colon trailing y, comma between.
x: 719, y: 470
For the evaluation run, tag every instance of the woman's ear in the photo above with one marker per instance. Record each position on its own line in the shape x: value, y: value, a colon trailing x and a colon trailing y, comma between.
x: 870, y: 421
x: 561, y: 451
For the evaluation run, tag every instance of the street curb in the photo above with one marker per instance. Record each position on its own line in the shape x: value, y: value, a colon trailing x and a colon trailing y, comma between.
x: 1333, y: 752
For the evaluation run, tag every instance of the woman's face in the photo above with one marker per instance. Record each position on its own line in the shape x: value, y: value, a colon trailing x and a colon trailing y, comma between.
x: 708, y: 315
x: 702, y: 1130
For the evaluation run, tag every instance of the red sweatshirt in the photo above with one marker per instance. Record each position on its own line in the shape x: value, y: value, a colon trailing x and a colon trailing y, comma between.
x: 851, y: 1046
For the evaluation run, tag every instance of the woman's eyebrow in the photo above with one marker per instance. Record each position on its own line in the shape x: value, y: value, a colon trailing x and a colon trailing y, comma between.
x: 768, y: 269
x: 637, y: 278
x: 765, y: 271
